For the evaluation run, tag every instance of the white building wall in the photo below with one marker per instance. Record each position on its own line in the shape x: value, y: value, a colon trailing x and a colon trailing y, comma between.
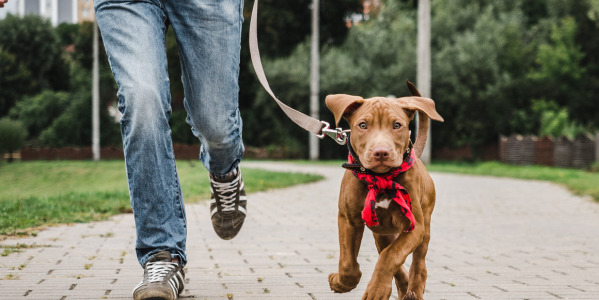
x: 56, y: 11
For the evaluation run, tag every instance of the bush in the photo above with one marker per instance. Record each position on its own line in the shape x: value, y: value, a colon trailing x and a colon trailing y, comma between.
x: 15, y: 81
x: 12, y: 136
x: 180, y: 130
x: 555, y: 121
x: 60, y: 119
x: 490, y: 59
x: 38, y: 112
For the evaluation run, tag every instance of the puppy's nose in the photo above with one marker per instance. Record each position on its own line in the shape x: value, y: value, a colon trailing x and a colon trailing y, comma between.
x: 380, y: 153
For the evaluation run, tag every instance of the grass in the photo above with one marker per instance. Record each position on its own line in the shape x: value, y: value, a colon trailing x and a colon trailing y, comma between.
x: 48, y: 192
x: 580, y: 182
x: 8, y: 249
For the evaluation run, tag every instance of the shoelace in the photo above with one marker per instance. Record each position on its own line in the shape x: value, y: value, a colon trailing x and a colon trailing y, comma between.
x: 159, y: 269
x: 227, y: 192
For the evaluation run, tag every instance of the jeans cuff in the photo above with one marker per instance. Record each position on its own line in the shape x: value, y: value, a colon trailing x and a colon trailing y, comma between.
x: 228, y: 175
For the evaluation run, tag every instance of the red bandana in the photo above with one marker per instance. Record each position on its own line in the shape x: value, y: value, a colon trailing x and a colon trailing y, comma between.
x: 380, y: 183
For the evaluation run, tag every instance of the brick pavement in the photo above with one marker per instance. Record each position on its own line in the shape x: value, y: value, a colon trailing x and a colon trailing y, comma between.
x: 492, y: 238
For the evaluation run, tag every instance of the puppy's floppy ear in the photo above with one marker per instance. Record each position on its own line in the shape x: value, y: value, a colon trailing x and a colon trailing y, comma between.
x: 424, y: 105
x: 427, y: 107
x: 341, y: 105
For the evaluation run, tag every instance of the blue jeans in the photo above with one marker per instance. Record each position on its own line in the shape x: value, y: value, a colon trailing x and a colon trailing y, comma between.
x: 208, y: 34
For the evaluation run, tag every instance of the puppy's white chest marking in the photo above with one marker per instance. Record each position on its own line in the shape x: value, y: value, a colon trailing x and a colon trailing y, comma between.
x: 384, y: 203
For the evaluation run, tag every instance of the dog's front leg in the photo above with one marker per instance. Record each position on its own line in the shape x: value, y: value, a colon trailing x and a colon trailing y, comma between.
x: 392, y: 258
x: 350, y: 238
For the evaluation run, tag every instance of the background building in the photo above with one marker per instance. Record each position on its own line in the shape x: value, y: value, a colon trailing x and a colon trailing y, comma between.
x: 57, y: 11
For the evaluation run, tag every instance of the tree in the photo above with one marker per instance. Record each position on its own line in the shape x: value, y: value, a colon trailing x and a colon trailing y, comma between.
x: 370, y: 62
x: 284, y: 24
x: 559, y: 69
x: 282, y: 27
x: 34, y: 44
x: 474, y: 76
x: 83, y: 57
x: 14, y: 80
x: 83, y: 45
x: 12, y: 136
x: 58, y: 118
x: 53, y: 104
x: 174, y: 69
x: 72, y: 126
x: 586, y: 108
x: 67, y: 33
x: 31, y: 57
x: 490, y: 60
x: 38, y: 112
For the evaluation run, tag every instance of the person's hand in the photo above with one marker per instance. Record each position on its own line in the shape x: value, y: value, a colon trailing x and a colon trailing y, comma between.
x: 2, y: 2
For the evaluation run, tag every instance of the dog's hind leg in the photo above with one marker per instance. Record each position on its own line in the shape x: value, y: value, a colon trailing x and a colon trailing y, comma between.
x: 401, y: 277
x: 418, y: 271
x: 393, y: 257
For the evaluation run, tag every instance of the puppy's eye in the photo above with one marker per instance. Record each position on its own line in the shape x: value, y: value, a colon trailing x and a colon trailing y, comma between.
x: 396, y: 125
x: 362, y: 125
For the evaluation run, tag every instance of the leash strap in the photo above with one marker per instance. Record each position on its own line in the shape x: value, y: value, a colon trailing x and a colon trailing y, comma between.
x: 317, y: 127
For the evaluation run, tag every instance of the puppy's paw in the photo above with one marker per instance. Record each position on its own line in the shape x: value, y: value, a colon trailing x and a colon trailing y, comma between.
x: 380, y: 292
x: 410, y: 296
x: 337, y: 286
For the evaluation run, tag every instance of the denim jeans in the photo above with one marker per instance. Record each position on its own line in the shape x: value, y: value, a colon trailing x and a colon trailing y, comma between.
x: 208, y: 35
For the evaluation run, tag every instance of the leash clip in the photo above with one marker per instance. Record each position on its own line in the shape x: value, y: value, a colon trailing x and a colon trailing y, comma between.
x: 337, y: 134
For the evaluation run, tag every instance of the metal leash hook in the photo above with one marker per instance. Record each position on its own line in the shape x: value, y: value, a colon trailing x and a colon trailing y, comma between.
x: 337, y: 134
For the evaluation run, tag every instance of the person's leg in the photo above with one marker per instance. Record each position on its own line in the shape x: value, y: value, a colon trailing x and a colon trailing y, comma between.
x: 134, y: 38
x: 209, y: 38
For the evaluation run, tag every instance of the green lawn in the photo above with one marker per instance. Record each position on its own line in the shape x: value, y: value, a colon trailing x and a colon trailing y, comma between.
x: 46, y: 192
x: 580, y: 182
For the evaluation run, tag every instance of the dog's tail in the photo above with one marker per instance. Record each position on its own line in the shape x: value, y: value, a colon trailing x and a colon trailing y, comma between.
x: 423, y: 122
x: 422, y: 135
x: 413, y: 90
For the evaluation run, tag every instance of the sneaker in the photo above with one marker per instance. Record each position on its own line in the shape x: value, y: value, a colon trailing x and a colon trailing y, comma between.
x: 227, y: 204
x: 163, y: 279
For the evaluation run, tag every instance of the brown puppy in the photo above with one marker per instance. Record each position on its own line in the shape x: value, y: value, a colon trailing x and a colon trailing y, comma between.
x: 380, y: 140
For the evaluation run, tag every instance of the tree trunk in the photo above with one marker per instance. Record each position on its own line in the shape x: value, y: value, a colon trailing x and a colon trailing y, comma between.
x: 423, y: 72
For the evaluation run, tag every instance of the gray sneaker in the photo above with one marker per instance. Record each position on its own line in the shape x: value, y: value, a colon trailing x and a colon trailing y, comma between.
x: 163, y: 279
x: 227, y: 204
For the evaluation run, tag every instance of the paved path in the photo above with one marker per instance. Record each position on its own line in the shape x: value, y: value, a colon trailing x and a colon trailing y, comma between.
x: 491, y: 239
